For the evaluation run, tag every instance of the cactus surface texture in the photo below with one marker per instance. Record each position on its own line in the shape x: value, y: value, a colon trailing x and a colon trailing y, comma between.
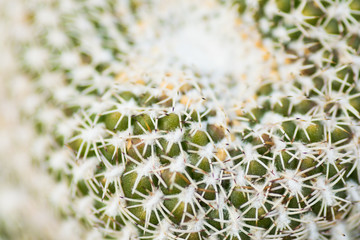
x: 182, y: 119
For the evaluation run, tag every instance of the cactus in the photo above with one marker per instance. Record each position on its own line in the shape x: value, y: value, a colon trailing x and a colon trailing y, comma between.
x: 254, y: 136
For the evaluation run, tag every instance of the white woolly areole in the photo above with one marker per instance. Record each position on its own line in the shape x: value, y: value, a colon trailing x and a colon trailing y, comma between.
x: 84, y: 206
x: 250, y: 153
x: 327, y: 194
x: 163, y: 230
x: 207, y: 151
x: 353, y: 191
x: 112, y: 207
x: 152, y: 164
x: 187, y: 194
x: 85, y: 169
x: 311, y: 227
x: 213, y: 177
x: 259, y: 197
x: 236, y: 220
x: 59, y: 160
x: 282, y: 221
x: 128, y: 232
x: 36, y: 57
x: 113, y: 173
x: 196, y: 224
x: 293, y: 182
x: 240, y: 179
x: 94, y: 235
x: 339, y: 232
x: 178, y: 164
x: 153, y: 200
x: 92, y: 134
x: 174, y: 136
x: 59, y: 195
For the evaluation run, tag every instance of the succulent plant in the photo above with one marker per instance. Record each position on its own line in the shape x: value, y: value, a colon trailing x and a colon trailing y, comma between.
x: 196, y: 119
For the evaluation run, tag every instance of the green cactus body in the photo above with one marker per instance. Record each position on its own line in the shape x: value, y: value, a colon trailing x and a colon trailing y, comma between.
x: 157, y: 145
